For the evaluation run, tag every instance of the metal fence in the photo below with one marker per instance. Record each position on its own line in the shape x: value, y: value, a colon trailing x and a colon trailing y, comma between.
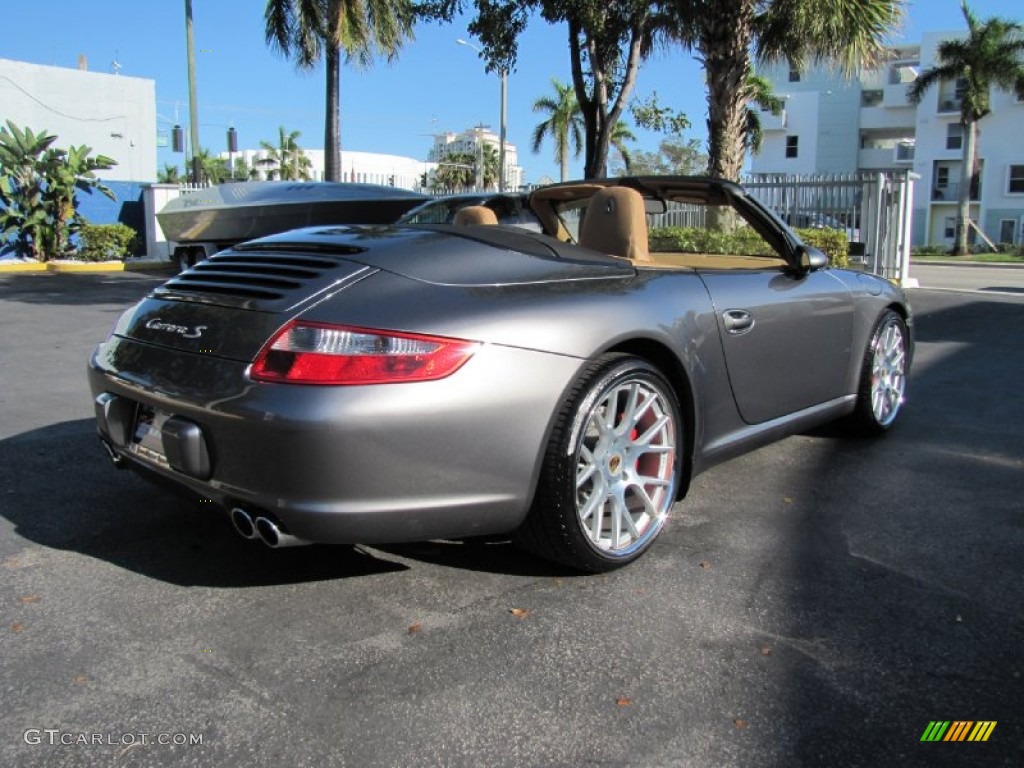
x: 874, y: 209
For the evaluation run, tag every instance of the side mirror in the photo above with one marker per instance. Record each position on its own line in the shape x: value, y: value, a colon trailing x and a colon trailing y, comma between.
x: 811, y: 259
x: 654, y: 206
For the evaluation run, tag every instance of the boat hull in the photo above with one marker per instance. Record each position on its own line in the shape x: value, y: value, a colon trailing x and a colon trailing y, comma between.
x: 231, y: 213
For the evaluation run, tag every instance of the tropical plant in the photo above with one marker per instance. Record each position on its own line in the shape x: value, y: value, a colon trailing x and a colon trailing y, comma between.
x: 489, y: 155
x: 169, y: 174
x: 676, y: 156
x: 240, y: 170
x: 213, y: 169
x: 286, y: 161
x: 455, y: 172
x: 762, y: 97
x: 38, y: 184
x: 563, y: 123
x: 106, y: 242
x: 991, y: 55
x: 311, y: 30
x: 619, y: 136
x: 727, y: 34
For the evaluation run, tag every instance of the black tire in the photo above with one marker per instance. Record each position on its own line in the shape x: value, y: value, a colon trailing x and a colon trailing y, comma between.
x: 605, y: 491
x: 883, y: 377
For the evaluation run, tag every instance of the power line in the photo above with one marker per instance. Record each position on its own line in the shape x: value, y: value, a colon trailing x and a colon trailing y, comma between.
x: 58, y: 112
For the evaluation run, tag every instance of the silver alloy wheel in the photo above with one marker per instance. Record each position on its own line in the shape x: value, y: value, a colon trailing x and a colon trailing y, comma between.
x: 625, y: 467
x: 888, y: 372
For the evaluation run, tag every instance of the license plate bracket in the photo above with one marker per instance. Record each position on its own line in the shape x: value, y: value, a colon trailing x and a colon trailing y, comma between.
x: 147, y: 436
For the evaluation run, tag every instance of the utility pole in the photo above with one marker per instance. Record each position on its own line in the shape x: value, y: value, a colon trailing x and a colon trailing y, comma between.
x: 501, y: 130
x: 193, y: 113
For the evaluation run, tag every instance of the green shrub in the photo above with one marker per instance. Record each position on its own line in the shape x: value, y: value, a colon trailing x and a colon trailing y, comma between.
x: 106, y: 242
x: 929, y: 250
x: 834, y: 243
x: 745, y: 241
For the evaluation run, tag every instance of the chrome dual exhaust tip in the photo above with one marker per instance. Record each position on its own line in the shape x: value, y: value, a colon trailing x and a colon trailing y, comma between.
x: 267, y: 530
x: 272, y: 535
x: 243, y: 523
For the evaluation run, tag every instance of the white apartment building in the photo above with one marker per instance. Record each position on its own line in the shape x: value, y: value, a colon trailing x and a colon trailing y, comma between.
x: 831, y: 124
x: 469, y: 142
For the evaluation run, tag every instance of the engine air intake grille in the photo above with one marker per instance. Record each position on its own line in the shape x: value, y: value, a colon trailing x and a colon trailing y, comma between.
x: 241, y: 275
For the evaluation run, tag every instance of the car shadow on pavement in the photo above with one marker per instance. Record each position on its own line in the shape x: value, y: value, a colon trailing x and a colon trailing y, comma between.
x: 58, y: 489
x: 485, y: 554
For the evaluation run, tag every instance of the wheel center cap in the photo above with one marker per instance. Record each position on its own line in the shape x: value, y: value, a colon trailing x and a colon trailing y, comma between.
x: 615, y: 464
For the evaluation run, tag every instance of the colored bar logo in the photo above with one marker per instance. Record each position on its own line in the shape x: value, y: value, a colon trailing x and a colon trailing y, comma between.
x: 958, y: 730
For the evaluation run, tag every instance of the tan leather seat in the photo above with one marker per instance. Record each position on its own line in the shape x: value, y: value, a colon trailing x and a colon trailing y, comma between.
x: 616, y: 223
x: 475, y: 215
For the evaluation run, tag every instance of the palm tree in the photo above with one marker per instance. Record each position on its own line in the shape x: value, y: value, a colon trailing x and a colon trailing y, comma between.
x: 309, y: 30
x: 619, y: 136
x: 724, y: 33
x: 455, y: 172
x: 489, y: 154
x: 564, y: 124
x: 286, y: 161
x: 991, y: 55
x: 212, y: 169
x: 762, y: 97
x: 169, y: 174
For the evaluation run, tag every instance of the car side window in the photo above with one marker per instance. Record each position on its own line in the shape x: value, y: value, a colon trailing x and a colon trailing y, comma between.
x: 705, y: 234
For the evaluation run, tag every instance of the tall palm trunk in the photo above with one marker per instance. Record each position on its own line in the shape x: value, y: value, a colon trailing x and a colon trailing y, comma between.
x: 332, y: 123
x: 724, y: 46
x: 967, y: 169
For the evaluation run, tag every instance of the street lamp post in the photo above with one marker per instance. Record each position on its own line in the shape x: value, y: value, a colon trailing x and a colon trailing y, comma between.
x: 503, y: 117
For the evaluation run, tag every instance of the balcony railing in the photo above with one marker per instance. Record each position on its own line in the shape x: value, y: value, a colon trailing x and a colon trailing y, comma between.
x: 950, y: 193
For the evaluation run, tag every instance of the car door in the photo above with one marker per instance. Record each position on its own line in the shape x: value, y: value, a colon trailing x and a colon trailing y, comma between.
x: 786, y: 337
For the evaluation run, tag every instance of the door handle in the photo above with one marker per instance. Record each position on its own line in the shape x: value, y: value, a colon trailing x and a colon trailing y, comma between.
x: 737, y: 321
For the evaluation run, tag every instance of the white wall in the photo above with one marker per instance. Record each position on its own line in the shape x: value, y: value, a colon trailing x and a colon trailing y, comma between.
x: 114, y: 115
x: 361, y: 167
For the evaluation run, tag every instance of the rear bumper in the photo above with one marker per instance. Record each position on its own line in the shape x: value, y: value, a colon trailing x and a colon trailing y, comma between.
x: 384, y: 463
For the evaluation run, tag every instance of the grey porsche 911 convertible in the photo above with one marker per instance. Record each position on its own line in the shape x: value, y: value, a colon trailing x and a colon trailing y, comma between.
x: 383, y: 384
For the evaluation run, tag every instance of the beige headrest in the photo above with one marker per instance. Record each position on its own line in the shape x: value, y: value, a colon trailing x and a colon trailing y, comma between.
x: 616, y: 223
x: 475, y: 214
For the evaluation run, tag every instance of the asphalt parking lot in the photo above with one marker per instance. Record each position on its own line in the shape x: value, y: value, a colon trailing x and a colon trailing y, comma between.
x: 816, y: 603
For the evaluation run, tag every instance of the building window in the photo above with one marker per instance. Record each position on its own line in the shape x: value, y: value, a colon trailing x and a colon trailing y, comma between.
x: 871, y: 98
x: 1015, y: 186
x: 954, y: 136
x: 949, y: 227
x: 1007, y: 228
x: 793, y: 146
x: 794, y: 75
x: 942, y: 176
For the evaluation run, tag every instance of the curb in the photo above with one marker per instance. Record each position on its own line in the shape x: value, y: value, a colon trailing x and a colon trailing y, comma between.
x: 21, y: 267
x: 969, y: 264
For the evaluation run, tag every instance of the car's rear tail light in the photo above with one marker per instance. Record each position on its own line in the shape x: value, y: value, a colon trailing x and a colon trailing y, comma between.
x: 317, y: 353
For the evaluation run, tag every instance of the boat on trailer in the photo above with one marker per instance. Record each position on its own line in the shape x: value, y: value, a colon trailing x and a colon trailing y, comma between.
x: 201, y: 222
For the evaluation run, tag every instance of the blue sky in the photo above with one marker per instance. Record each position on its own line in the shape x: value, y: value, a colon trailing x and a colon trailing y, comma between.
x: 434, y: 85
